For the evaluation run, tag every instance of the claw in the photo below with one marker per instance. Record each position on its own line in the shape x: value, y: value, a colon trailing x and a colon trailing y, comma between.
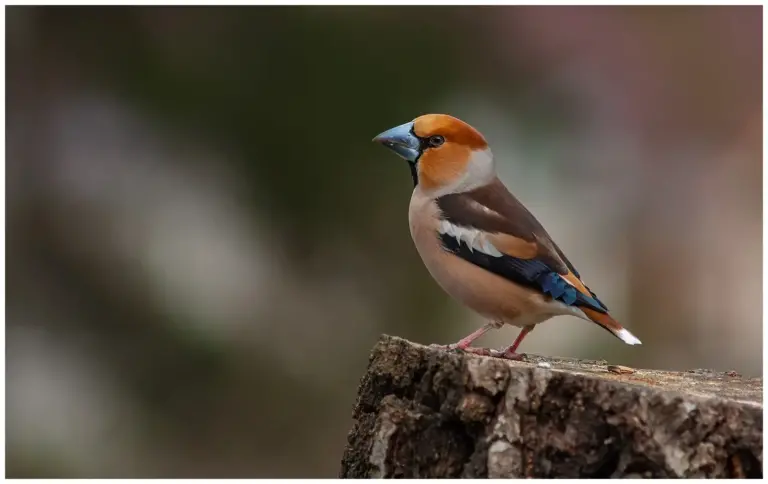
x: 512, y: 356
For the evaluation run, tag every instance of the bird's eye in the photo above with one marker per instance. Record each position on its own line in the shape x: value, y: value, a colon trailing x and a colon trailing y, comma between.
x: 436, y: 140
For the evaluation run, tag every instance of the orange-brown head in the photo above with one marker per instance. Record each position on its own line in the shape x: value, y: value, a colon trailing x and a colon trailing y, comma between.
x: 446, y: 154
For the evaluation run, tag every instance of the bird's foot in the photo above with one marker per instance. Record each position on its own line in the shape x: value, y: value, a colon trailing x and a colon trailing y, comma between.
x: 467, y: 349
x: 505, y: 355
x: 477, y: 351
x: 510, y: 355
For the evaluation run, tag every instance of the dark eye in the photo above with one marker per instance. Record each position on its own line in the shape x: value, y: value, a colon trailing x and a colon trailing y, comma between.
x: 436, y: 140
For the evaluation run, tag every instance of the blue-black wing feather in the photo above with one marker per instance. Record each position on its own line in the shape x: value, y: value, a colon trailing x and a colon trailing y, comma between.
x: 492, y: 209
x: 533, y: 273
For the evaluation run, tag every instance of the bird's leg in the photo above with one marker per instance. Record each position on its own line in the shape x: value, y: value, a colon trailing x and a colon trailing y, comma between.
x: 510, y: 353
x: 464, y: 343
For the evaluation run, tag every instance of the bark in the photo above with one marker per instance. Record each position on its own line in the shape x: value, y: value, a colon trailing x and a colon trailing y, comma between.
x: 427, y: 412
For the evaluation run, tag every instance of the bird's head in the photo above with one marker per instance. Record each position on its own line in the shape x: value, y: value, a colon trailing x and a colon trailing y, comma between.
x: 446, y: 155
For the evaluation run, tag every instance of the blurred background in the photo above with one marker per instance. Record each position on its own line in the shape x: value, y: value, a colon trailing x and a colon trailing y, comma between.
x: 203, y: 244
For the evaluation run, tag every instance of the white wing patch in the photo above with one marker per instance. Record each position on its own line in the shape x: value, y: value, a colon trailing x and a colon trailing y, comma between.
x: 474, y: 239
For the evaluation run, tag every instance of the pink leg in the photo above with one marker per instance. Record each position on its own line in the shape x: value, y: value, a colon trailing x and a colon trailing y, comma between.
x: 509, y: 353
x: 464, y: 343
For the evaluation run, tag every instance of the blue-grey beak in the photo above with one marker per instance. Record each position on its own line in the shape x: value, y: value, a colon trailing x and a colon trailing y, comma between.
x: 402, y: 141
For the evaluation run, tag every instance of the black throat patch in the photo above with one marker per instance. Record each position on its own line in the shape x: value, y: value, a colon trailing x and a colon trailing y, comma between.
x: 414, y: 172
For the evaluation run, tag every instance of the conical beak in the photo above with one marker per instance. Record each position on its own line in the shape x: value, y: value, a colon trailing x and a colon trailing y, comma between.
x: 402, y: 141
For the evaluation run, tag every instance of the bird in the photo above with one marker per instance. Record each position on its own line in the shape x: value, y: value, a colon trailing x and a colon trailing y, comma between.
x: 479, y: 242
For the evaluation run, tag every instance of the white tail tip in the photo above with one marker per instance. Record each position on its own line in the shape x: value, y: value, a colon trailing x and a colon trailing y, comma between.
x: 628, y: 337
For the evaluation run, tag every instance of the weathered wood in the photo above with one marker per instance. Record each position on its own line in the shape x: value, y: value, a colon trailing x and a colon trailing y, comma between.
x: 428, y: 412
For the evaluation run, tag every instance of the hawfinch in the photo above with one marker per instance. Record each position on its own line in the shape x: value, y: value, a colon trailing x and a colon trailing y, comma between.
x: 480, y: 244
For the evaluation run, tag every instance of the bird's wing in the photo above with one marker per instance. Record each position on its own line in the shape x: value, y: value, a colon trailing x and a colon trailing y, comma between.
x: 490, y: 228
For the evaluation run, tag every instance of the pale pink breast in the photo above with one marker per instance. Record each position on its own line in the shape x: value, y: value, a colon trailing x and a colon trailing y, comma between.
x: 484, y: 292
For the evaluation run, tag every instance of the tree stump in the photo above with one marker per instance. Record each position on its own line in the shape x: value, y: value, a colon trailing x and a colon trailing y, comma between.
x: 424, y: 412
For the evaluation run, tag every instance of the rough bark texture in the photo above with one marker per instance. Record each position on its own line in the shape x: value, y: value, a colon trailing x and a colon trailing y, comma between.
x: 427, y: 412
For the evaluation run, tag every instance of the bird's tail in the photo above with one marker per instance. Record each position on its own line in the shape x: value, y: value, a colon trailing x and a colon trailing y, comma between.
x: 610, y: 324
